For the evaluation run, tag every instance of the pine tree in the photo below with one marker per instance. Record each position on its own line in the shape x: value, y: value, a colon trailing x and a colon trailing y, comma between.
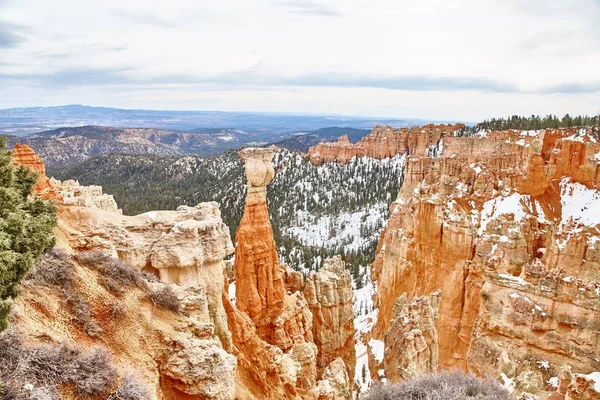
x: 25, y: 229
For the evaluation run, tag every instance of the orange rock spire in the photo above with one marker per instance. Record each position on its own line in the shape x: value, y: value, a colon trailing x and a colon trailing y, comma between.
x: 259, y: 277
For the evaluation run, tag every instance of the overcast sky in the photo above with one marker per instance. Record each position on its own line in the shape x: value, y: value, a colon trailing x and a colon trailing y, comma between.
x: 433, y: 59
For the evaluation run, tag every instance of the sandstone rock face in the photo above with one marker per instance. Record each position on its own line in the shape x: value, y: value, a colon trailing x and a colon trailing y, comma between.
x: 383, y: 142
x: 505, y: 225
x: 329, y: 296
x: 185, y: 247
x: 413, y: 337
x: 259, y: 277
x: 196, y: 367
x: 175, y: 355
x: 23, y: 155
x: 335, y: 384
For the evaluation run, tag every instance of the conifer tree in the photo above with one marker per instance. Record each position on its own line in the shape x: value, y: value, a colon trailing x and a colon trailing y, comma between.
x: 26, y: 225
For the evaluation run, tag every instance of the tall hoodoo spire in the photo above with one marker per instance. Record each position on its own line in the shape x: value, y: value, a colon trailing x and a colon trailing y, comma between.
x: 259, y: 279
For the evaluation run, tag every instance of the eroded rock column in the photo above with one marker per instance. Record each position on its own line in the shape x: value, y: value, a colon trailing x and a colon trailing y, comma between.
x: 259, y: 278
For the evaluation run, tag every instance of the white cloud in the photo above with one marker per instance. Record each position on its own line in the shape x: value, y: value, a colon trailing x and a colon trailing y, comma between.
x: 466, y: 59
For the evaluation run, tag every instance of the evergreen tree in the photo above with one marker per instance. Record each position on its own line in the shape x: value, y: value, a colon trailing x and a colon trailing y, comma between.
x: 25, y: 229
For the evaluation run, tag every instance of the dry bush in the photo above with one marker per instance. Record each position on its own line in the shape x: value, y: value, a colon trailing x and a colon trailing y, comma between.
x: 55, y: 268
x: 150, y: 277
x: 115, y: 273
x: 165, y: 297
x: 82, y: 313
x: 442, y: 386
x: 91, y: 373
x: 92, y: 258
x: 117, y: 310
x: 130, y: 389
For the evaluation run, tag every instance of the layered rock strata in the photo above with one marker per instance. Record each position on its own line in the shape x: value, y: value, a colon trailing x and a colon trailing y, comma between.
x: 329, y: 295
x: 383, y: 142
x: 506, y: 225
x: 259, y: 277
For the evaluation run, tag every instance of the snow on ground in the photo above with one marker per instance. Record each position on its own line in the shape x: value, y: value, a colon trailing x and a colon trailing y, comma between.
x: 579, y: 204
x: 377, y: 349
x: 530, y: 133
x: 515, y: 279
x: 512, y: 204
x: 508, y: 383
x: 580, y: 136
x: 329, y: 230
x: 554, y: 381
x: 363, y: 323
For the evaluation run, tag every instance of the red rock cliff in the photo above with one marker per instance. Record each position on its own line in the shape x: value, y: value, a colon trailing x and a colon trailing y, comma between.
x: 23, y: 155
x: 382, y: 142
x: 507, y: 227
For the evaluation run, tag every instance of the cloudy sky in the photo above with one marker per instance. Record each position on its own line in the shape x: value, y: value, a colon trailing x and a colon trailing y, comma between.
x: 434, y: 59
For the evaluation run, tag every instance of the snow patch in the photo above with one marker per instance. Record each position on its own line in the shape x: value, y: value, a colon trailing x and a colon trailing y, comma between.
x: 377, y: 349
x: 579, y: 204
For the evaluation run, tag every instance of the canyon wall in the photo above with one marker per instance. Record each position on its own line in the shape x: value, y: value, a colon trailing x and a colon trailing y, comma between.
x: 383, y: 142
x: 506, y: 227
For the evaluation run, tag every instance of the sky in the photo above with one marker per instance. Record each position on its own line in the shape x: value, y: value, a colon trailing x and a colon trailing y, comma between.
x: 431, y: 59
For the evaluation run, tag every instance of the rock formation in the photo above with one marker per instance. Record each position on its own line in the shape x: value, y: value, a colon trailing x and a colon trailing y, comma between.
x: 308, y: 324
x: 69, y: 192
x: 335, y: 384
x: 176, y: 354
x: 259, y: 277
x: 506, y: 225
x: 23, y: 155
x: 179, y: 356
x: 329, y: 296
x: 413, y: 337
x: 383, y: 142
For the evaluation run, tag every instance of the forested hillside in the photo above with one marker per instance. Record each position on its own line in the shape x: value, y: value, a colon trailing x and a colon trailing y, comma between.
x: 316, y: 211
x: 535, y: 122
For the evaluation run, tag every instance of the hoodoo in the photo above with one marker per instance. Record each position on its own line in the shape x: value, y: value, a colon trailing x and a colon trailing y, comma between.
x: 259, y: 278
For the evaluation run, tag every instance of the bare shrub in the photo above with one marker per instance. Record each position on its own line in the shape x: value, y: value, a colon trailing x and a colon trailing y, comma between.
x: 117, y: 310
x: 45, y: 368
x: 116, y: 273
x: 130, y: 389
x: 165, y: 297
x: 112, y: 285
x: 55, y: 268
x: 81, y: 311
x: 150, y: 277
x: 442, y: 386
x: 92, y: 258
